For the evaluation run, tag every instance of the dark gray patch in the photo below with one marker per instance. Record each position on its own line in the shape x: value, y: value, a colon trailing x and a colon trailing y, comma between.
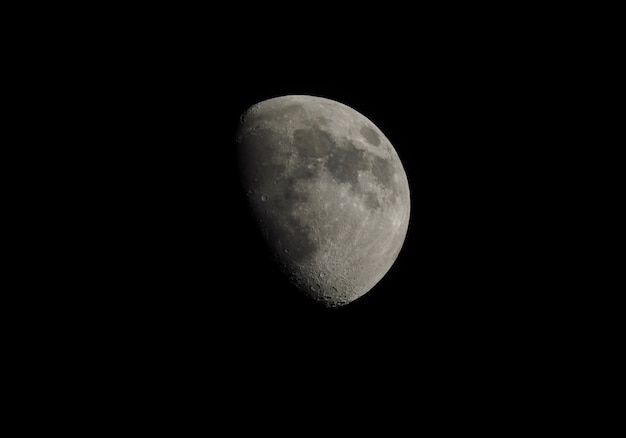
x: 383, y: 170
x: 313, y: 142
x: 344, y: 164
x: 370, y: 135
x: 371, y: 200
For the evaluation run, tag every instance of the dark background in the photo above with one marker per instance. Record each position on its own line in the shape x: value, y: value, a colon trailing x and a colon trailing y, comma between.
x: 181, y: 291
x: 193, y: 268
x: 151, y: 301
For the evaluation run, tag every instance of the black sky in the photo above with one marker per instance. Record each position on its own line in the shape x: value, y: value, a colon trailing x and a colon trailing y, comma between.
x: 168, y: 308
x: 460, y: 131
x: 185, y: 279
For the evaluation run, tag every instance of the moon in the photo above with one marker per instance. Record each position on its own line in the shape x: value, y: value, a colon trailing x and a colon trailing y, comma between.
x: 328, y: 192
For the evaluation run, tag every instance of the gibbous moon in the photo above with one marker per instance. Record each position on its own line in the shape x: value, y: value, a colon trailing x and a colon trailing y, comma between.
x: 327, y: 191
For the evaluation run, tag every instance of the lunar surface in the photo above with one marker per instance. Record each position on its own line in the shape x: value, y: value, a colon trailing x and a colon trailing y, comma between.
x: 327, y: 191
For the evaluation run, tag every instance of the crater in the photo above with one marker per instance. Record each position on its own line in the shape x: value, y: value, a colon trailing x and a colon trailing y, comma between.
x: 370, y: 135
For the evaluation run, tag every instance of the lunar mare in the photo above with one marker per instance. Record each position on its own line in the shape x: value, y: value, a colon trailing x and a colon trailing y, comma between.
x: 328, y: 192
